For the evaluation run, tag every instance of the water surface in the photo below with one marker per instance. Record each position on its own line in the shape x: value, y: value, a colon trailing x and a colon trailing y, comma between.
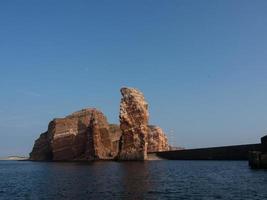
x: 132, y: 180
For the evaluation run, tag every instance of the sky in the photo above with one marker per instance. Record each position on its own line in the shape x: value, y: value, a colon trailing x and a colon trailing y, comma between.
x: 202, y: 66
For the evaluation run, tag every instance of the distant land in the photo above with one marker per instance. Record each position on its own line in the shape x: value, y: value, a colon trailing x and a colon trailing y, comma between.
x: 14, y: 158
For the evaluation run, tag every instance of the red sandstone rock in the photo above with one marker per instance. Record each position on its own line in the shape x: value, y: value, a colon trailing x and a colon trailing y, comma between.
x: 100, y: 144
x: 42, y: 148
x: 157, y: 140
x: 133, y: 123
x: 83, y: 135
x: 86, y: 134
x: 115, y: 134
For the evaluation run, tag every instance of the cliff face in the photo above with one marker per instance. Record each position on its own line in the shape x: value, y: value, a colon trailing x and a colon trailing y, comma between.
x: 87, y: 135
x: 42, y: 148
x: 115, y: 133
x: 157, y: 140
x: 83, y: 135
x: 133, y: 124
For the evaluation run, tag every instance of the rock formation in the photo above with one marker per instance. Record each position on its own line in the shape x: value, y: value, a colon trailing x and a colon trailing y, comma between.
x: 83, y: 135
x: 157, y: 140
x: 42, y: 148
x: 86, y: 134
x: 134, y: 125
x: 115, y: 133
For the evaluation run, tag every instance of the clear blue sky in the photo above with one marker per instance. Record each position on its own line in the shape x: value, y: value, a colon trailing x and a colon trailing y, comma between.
x: 202, y: 66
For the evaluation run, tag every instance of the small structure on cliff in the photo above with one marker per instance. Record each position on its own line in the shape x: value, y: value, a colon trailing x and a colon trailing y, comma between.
x: 87, y: 135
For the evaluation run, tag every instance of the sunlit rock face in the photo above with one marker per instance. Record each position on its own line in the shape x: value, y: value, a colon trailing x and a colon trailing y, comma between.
x: 87, y: 135
x: 83, y: 135
x: 134, y: 125
x: 157, y: 140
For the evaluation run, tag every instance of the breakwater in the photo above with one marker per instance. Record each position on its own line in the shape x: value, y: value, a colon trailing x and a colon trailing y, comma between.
x: 258, y: 159
x: 235, y: 152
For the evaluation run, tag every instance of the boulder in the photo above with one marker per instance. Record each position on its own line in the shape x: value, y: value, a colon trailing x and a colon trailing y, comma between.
x: 134, y: 125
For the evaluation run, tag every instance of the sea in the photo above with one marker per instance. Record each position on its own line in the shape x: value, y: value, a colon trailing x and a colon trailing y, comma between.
x: 161, y: 179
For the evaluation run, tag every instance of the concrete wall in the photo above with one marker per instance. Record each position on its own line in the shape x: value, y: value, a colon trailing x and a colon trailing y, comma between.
x: 237, y: 152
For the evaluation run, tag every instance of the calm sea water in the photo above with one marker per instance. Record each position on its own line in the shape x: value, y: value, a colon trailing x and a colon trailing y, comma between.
x: 132, y: 180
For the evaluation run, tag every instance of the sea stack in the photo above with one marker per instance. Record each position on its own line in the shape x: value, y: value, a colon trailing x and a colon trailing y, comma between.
x: 134, y: 125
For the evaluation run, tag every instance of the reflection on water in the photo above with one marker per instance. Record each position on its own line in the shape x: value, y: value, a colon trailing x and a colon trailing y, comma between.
x: 132, y: 180
x: 135, y: 179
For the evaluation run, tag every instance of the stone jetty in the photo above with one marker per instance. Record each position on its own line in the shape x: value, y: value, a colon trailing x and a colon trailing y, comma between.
x: 258, y: 159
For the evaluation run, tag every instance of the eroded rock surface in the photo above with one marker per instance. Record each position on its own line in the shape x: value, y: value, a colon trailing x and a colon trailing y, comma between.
x: 115, y: 133
x: 42, y: 148
x: 83, y: 135
x: 157, y: 140
x: 134, y: 125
